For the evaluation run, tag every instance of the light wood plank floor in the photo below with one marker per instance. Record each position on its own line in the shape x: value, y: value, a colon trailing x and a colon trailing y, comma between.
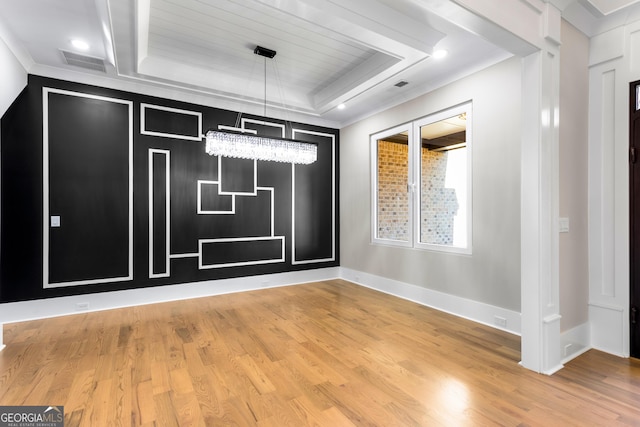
x: 322, y: 354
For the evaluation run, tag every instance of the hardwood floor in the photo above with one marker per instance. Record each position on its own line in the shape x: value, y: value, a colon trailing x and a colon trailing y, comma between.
x: 320, y: 354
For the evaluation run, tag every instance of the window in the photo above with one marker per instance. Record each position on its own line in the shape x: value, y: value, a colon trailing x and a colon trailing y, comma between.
x: 392, y: 171
x: 422, y: 182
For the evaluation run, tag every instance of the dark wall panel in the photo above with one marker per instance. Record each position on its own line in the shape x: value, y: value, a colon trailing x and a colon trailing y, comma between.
x: 219, y: 218
x: 217, y: 253
x: 237, y: 175
x: 88, y: 163
x: 21, y: 198
x: 314, y: 207
x: 212, y: 201
x: 170, y: 122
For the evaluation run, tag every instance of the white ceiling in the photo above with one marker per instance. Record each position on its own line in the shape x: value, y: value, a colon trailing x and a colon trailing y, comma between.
x: 328, y: 51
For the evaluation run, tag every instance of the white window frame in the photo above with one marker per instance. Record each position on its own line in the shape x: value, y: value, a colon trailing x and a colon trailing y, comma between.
x: 407, y: 127
x: 417, y: 159
x: 414, y: 179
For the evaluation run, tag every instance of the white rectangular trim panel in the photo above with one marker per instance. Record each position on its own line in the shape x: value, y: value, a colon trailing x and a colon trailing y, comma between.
x: 143, y: 124
x: 45, y: 189
x: 167, y: 164
x: 294, y: 260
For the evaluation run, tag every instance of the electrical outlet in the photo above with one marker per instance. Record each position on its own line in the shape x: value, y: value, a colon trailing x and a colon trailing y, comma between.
x: 500, y: 321
x: 82, y: 306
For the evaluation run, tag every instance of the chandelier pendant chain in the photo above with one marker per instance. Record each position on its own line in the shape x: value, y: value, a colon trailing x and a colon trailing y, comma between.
x: 265, y: 87
x: 246, y: 144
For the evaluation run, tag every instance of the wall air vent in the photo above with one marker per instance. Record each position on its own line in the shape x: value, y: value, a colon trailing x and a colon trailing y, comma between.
x: 84, y: 61
x: 401, y: 83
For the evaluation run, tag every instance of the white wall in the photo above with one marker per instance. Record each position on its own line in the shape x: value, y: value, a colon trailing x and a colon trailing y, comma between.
x: 574, y: 101
x: 491, y: 275
x: 13, y: 77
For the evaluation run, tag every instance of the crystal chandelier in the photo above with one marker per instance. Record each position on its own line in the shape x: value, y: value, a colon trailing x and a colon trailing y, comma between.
x: 245, y: 144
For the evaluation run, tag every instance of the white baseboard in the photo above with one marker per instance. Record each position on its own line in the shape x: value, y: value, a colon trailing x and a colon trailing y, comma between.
x: 575, y: 341
x: 62, y: 306
x: 550, y: 345
x: 609, y: 331
x: 473, y: 310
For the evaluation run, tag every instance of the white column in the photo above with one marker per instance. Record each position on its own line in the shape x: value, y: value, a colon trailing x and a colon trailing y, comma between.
x: 531, y: 30
x: 540, y: 348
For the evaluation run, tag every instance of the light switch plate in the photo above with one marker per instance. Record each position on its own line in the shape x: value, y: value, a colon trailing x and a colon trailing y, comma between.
x: 564, y: 225
x: 55, y: 220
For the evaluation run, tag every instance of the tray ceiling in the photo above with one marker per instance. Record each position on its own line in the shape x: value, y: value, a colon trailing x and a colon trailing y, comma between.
x: 329, y: 52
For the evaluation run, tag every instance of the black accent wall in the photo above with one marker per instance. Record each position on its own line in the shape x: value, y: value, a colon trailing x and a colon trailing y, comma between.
x: 106, y: 190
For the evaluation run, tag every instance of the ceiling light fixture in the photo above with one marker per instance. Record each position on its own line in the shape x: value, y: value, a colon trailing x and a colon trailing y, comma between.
x: 80, y: 44
x: 440, y: 53
x: 245, y: 144
x: 341, y: 106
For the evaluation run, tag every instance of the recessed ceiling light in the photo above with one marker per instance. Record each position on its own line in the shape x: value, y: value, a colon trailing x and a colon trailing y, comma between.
x: 341, y: 107
x: 80, y: 44
x: 440, y: 53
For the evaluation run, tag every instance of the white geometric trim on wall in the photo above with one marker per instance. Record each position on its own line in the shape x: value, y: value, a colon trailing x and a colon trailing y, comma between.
x: 271, y: 236
x: 294, y: 260
x: 238, y: 193
x: 45, y: 189
x: 239, y: 240
x: 167, y: 155
x: 145, y: 131
x: 280, y: 256
x: 201, y: 211
x: 264, y: 123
